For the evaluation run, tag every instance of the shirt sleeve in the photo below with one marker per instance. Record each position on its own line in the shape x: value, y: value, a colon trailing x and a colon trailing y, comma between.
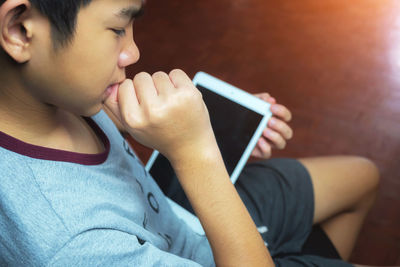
x: 108, y: 247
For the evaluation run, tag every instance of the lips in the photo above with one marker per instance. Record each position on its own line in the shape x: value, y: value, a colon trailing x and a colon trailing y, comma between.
x: 110, y: 89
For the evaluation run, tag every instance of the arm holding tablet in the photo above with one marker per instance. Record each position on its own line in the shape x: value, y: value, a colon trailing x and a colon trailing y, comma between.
x: 166, y: 112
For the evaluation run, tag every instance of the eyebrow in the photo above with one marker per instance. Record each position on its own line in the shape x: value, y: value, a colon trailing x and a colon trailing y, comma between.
x: 132, y: 11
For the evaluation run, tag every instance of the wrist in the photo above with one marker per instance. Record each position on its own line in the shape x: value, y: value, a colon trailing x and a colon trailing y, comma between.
x: 196, y: 158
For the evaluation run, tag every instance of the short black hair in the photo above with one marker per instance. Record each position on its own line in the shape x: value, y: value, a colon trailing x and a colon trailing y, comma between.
x: 62, y: 15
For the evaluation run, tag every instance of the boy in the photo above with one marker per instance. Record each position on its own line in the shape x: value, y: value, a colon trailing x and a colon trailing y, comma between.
x: 73, y: 193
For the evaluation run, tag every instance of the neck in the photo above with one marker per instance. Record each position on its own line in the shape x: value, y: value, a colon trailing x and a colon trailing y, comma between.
x: 23, y: 116
x: 28, y: 120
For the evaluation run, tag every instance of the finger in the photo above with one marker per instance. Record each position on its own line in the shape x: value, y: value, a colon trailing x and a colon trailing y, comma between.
x: 275, y: 138
x: 265, y: 148
x: 162, y: 82
x: 271, y: 100
x: 263, y: 96
x: 282, y: 112
x: 281, y: 127
x: 266, y: 97
x: 111, y: 103
x: 180, y: 79
x: 144, y: 87
x: 129, y: 106
x: 256, y: 152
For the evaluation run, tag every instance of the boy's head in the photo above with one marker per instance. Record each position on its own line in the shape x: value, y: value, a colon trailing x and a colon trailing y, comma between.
x: 66, y: 54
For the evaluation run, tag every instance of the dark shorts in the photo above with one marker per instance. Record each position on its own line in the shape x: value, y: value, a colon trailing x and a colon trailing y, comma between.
x: 279, y: 196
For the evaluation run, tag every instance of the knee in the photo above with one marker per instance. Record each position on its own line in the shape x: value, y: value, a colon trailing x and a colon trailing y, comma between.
x: 372, y: 175
x: 370, y: 180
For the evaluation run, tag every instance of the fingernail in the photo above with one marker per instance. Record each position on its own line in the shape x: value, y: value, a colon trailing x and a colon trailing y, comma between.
x: 269, y: 133
x: 263, y: 144
x: 275, y: 108
x: 272, y: 121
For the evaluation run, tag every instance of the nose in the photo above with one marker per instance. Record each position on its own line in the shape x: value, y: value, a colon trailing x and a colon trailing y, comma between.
x: 129, y: 55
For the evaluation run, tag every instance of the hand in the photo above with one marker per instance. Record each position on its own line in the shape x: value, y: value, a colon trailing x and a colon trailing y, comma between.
x: 164, y: 112
x: 277, y: 132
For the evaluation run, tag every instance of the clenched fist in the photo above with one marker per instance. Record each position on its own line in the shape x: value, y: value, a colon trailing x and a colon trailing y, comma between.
x: 164, y: 112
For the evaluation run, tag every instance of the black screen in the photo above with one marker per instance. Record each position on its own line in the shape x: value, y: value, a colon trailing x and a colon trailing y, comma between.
x: 233, y: 126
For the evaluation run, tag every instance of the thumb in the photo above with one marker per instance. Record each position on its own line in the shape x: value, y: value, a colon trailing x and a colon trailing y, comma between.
x: 123, y: 102
x: 111, y: 103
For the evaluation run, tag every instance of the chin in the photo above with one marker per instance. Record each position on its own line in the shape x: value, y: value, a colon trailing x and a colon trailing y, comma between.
x: 89, y: 111
x: 94, y: 111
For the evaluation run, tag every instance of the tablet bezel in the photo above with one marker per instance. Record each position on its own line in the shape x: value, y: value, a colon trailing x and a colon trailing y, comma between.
x: 241, y: 97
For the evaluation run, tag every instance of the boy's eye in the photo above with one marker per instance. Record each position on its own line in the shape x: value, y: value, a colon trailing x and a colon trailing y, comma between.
x: 119, y: 32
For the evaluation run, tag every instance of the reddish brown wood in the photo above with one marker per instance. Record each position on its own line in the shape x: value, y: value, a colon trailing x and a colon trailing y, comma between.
x: 334, y: 63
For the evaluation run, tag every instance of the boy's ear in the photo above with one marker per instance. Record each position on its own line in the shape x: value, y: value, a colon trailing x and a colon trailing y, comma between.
x: 16, y: 29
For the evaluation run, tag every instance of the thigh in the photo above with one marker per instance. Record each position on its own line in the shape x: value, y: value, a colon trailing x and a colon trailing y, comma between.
x: 339, y: 183
x: 279, y: 196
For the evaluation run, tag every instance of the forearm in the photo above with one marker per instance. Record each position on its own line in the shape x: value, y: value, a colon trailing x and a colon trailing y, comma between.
x: 230, y: 230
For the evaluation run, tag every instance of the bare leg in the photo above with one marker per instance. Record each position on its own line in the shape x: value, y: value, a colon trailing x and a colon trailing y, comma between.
x: 345, y: 188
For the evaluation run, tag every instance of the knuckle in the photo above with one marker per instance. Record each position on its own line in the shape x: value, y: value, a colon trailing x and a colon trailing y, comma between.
x: 130, y: 120
x: 159, y: 74
x: 156, y: 115
x: 134, y: 121
x: 176, y: 72
x: 141, y: 76
x: 198, y: 95
x: 197, y: 98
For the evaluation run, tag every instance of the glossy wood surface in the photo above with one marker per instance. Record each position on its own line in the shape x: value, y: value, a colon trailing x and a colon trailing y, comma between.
x: 334, y: 63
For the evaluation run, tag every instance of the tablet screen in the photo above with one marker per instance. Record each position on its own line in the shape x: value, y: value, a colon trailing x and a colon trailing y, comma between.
x: 233, y: 124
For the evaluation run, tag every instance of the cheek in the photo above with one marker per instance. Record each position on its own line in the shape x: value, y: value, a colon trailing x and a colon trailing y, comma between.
x: 103, y: 65
x: 98, y: 50
x: 95, y: 68
x: 99, y: 61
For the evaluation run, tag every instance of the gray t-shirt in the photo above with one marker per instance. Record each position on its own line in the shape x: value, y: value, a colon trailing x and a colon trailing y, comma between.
x: 60, y: 208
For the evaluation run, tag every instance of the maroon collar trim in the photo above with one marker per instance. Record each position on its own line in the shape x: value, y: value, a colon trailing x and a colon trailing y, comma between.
x: 44, y: 153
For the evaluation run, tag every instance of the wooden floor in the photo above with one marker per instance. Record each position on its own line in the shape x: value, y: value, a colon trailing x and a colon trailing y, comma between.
x: 334, y: 63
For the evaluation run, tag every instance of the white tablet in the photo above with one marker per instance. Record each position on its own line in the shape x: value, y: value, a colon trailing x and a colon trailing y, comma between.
x: 238, y: 120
